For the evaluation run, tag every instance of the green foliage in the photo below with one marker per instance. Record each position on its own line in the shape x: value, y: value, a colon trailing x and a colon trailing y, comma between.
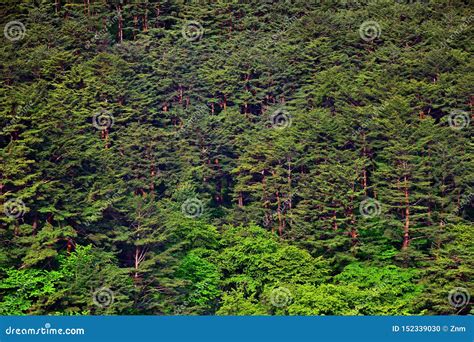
x: 278, y: 122
x: 21, y: 289
x: 203, y: 278
x: 70, y: 289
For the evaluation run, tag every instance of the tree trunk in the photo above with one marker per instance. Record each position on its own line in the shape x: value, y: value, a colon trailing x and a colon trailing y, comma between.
x: 145, y: 21
x: 241, y: 200
x: 290, y: 195
x: 364, y: 172
x: 120, y: 24
x: 135, y: 25
x: 406, y: 229
x: 157, y: 12
x: 139, y: 257
x: 354, y: 234
x: 280, y: 220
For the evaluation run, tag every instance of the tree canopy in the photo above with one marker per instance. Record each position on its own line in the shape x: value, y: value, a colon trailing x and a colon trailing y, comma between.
x: 236, y: 157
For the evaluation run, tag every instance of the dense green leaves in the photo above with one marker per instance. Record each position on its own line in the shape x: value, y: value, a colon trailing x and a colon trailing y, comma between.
x: 257, y: 158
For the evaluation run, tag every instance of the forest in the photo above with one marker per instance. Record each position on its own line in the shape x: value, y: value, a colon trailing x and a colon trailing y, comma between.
x: 241, y: 157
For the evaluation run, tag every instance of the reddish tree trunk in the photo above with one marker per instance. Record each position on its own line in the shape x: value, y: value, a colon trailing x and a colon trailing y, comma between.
x: 406, y: 229
x: 70, y: 245
x: 354, y: 234
x: 152, y: 173
x: 135, y: 25
x: 145, y: 21
x: 120, y: 24
x: 290, y: 196
x: 364, y: 172
x: 157, y: 13
x: 180, y: 96
x: 280, y: 220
